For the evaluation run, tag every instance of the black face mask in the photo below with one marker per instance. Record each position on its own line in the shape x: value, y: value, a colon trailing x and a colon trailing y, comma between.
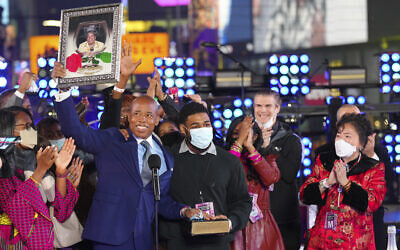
x: 171, y: 138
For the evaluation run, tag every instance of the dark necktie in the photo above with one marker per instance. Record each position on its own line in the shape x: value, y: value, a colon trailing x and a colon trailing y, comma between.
x: 146, y: 173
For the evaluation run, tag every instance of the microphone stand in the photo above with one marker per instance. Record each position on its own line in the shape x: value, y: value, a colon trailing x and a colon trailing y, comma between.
x: 157, y: 197
x: 242, y: 68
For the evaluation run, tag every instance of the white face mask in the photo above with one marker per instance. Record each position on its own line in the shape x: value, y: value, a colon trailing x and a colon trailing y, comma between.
x: 59, y: 143
x: 28, y: 137
x: 201, y: 137
x: 268, y: 124
x: 344, y: 149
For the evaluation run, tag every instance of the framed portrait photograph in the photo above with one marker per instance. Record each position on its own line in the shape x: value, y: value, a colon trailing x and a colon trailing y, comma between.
x: 90, y: 45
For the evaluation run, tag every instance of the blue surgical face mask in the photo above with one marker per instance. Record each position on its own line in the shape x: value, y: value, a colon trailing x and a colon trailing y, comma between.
x: 59, y: 143
x: 201, y: 137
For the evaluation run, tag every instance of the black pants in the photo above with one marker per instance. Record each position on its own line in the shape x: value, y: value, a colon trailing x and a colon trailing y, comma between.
x: 291, y: 235
x: 379, y: 229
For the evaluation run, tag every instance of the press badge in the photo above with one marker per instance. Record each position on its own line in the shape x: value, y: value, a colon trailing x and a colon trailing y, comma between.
x: 331, y: 221
x: 255, y: 213
x: 207, y: 207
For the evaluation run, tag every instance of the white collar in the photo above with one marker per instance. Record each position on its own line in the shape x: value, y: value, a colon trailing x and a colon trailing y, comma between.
x: 148, y: 139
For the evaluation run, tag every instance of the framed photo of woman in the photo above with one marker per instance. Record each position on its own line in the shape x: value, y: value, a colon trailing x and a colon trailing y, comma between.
x: 90, y: 45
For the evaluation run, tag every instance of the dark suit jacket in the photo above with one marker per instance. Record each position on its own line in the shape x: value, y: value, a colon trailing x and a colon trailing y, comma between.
x: 121, y: 205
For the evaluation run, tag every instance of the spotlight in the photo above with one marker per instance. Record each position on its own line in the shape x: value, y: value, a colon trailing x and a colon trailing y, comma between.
x: 388, y: 139
x: 51, y: 62
x: 329, y: 99
x: 161, y: 72
x: 248, y: 103
x: 284, y: 80
x: 43, y: 84
x: 284, y: 69
x: 273, y: 59
x: 294, y: 69
x: 396, y: 76
x: 306, y: 171
x: 181, y: 93
x: 237, y: 103
x: 306, y: 141
x: 273, y: 70
x: 53, y: 92
x: 179, y: 62
x: 169, y: 72
x: 343, y: 99
x: 284, y: 90
x: 52, y: 84
x: 385, y: 67
x: 304, y: 69
x: 294, y: 59
x: 227, y: 123
x: 273, y: 81
x: 158, y: 62
x: 190, y: 82
x: 304, y: 58
x: 385, y: 57
x: 169, y: 83
x: 99, y: 115
x: 179, y: 72
x: 361, y: 100
x: 305, y: 90
x: 217, y: 124
x: 395, y: 67
x: 3, y: 82
x: 397, y: 138
x: 41, y: 62
x: 189, y: 61
x: 294, y: 90
x: 307, y: 151
x: 75, y: 92
x: 227, y: 113
x: 276, y: 89
x: 395, y: 57
x: 100, y: 106
x: 190, y: 72
x: 307, y: 162
x: 216, y: 114
x: 351, y: 100
x: 168, y: 62
x: 386, y: 78
x: 397, y: 149
x: 283, y: 59
x: 386, y: 89
x: 304, y: 80
x: 396, y: 88
x: 389, y: 148
x: 3, y: 65
x: 43, y: 93
x: 294, y: 81
x: 397, y: 169
x: 190, y: 92
x: 180, y: 83
x: 237, y: 112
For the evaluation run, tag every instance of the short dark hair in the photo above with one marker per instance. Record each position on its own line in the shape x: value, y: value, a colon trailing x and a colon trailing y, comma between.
x: 269, y: 92
x: 45, y: 124
x: 18, y: 109
x: 7, y: 123
x: 191, y: 109
x: 361, y: 124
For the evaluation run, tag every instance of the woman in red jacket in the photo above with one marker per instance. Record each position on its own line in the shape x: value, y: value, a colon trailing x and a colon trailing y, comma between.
x: 244, y: 139
x: 348, y: 187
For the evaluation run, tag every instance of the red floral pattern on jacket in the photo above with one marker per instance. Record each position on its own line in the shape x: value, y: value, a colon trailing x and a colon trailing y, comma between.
x: 263, y: 234
x: 354, y: 228
x: 22, y: 202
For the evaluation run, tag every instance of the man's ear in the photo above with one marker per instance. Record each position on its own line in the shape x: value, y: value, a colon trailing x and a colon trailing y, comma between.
x: 157, y: 121
x: 182, y: 129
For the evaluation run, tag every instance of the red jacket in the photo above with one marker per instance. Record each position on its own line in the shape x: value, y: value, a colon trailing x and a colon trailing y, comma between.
x: 22, y: 208
x: 354, y: 227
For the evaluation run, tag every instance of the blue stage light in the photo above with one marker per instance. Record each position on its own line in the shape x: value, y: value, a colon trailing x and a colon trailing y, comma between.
x: 273, y: 59
x: 294, y: 81
x: 237, y: 103
x: 386, y: 78
x: 179, y: 62
x: 361, y: 100
x: 43, y: 84
x: 273, y: 81
x: 161, y: 72
x: 294, y: 69
x: 190, y: 82
x: 294, y: 59
x: 396, y: 67
x: 396, y: 88
x: 304, y: 58
x: 179, y: 72
x: 52, y: 84
x: 298, y: 174
x: 217, y: 106
x: 283, y: 59
x: 3, y: 65
x: 306, y: 171
x: 227, y: 113
x: 343, y: 99
x: 217, y: 114
x: 53, y: 92
x: 217, y: 124
x: 169, y: 83
x: 307, y: 162
x: 190, y: 72
x: 304, y: 69
x: 237, y: 112
x: 294, y: 90
x: 395, y: 57
x: 227, y: 123
x: 273, y: 70
x: 284, y: 80
x: 158, y: 62
x: 388, y: 139
x: 284, y: 90
x: 385, y: 57
x: 75, y: 92
x: 307, y: 151
x: 3, y: 82
x: 397, y: 169
x: 181, y: 93
x: 397, y: 138
x: 389, y: 148
x: 284, y: 69
x: 385, y: 67
x: 169, y: 72
x: 51, y: 62
x: 275, y: 89
x: 304, y: 80
x: 396, y: 76
x: 397, y: 149
x: 305, y: 90
x: 99, y: 115
x: 328, y: 99
x: 168, y: 62
x: 248, y: 102
x: 43, y: 93
x: 386, y: 89
x: 41, y: 62
x: 190, y: 92
x: 351, y: 99
x: 189, y: 61
x: 180, y: 83
x: 100, y: 106
x: 306, y: 141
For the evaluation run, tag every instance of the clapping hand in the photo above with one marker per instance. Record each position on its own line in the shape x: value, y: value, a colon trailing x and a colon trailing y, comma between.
x: 341, y: 173
x: 45, y: 157
x: 75, y: 171
x: 245, y: 127
x: 64, y: 157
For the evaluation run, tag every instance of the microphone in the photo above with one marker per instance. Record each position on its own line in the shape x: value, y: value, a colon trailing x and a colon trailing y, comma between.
x: 210, y: 44
x: 154, y: 162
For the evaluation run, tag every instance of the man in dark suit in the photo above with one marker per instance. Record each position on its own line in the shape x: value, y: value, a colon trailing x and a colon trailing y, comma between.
x: 123, y: 206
